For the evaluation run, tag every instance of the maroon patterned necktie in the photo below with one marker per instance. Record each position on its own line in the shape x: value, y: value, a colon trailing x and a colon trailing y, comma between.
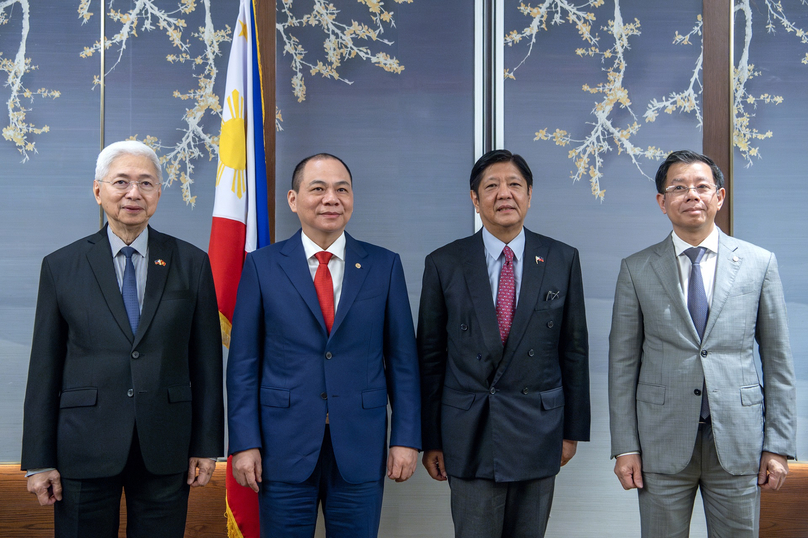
x: 506, y: 295
x: 325, y: 288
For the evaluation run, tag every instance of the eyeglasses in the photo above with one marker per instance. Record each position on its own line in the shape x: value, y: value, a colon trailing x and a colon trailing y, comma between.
x: 145, y: 185
x: 703, y: 190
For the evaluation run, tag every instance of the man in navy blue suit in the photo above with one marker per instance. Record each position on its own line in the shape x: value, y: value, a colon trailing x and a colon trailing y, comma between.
x: 322, y: 337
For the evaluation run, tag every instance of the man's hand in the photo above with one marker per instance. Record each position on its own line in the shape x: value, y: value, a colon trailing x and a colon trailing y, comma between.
x: 401, y: 461
x: 773, y: 471
x: 47, y: 486
x: 205, y: 466
x: 433, y: 461
x: 568, y: 450
x: 247, y: 468
x: 628, y: 469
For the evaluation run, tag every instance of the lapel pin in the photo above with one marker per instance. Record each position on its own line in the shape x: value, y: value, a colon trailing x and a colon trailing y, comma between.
x: 159, y: 262
x: 539, y: 259
x: 735, y: 258
x: 358, y: 265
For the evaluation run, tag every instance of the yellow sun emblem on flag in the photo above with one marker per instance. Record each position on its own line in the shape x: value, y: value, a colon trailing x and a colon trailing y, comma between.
x: 233, y: 145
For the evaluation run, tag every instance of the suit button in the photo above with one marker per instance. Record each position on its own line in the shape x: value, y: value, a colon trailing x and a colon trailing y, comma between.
x: 493, y: 390
x: 130, y: 392
x: 479, y: 356
x: 135, y: 354
x: 524, y: 390
x: 697, y: 392
x: 703, y: 352
x: 464, y: 327
x: 328, y: 355
x: 530, y: 353
x: 324, y: 396
x: 550, y: 324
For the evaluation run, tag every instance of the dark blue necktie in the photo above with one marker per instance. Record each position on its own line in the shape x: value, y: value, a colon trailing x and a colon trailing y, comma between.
x: 129, y: 290
x: 698, y: 307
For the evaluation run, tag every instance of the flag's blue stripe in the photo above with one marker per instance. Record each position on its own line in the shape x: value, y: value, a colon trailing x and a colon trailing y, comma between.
x: 262, y: 215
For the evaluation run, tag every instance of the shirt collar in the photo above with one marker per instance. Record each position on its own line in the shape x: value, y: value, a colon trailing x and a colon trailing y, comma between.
x: 710, y: 242
x: 311, y: 248
x: 493, y: 246
x: 140, y: 244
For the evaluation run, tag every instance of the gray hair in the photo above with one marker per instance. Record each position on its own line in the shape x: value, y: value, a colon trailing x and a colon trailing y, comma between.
x: 125, y: 147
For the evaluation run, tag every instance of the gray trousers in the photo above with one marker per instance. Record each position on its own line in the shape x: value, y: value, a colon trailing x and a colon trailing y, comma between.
x: 482, y: 508
x: 731, y: 503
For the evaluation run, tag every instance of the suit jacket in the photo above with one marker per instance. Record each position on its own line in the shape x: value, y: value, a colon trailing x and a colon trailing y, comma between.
x: 502, y: 412
x: 91, y: 382
x: 285, y: 372
x: 657, y: 365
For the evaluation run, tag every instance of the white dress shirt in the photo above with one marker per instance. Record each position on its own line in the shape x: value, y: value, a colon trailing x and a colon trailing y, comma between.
x: 707, y: 263
x: 336, y: 265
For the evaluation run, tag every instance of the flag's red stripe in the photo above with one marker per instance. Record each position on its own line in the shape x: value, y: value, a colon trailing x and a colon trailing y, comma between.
x: 226, y: 252
x: 243, y: 503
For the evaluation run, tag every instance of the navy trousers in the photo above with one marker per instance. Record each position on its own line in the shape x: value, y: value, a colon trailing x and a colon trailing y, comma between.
x: 350, y: 510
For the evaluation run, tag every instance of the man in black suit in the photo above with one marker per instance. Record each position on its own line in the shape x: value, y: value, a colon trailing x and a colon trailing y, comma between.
x: 503, y: 349
x: 125, y: 378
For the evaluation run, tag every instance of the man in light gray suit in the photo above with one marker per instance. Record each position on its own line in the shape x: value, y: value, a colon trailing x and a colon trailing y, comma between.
x: 687, y: 406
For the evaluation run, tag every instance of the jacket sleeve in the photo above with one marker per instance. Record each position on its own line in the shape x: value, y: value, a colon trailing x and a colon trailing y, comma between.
x: 432, y: 354
x: 206, y: 369
x: 401, y: 361
x: 625, y: 353
x: 574, y: 357
x: 244, y: 363
x: 779, y: 390
x: 48, y: 350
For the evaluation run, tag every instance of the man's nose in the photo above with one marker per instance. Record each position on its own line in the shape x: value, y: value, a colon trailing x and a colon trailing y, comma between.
x: 330, y: 197
x: 133, y: 190
x: 504, y: 191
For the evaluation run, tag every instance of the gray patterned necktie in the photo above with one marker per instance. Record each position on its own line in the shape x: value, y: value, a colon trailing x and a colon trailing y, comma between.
x: 698, y: 307
x: 129, y: 290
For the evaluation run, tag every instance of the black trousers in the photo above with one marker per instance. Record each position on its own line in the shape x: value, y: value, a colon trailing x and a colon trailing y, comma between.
x: 156, y: 505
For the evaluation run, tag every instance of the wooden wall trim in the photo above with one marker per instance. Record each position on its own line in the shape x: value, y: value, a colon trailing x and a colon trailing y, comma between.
x: 717, y: 95
x: 22, y: 517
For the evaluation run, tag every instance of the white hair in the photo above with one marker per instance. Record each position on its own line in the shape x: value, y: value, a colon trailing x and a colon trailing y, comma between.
x: 125, y: 147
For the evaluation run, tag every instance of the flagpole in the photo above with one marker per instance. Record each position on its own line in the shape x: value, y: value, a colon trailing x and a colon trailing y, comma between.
x: 102, y: 96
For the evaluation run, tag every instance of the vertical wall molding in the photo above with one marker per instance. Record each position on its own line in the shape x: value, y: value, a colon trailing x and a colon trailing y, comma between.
x: 717, y: 96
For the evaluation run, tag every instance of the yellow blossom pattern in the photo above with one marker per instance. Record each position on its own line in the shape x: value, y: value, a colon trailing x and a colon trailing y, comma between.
x: 343, y: 41
x: 19, y: 130
x: 177, y: 157
x: 605, y: 135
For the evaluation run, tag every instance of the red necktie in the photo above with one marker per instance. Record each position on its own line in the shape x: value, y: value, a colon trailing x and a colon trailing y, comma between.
x: 506, y: 295
x: 325, y: 288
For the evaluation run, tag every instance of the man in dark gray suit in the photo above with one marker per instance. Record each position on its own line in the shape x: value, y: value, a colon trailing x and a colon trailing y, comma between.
x: 503, y: 346
x: 688, y: 409
x: 125, y: 379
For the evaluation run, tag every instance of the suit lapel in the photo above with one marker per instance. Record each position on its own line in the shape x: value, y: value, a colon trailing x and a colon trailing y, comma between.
x: 357, y: 267
x: 727, y: 265
x: 100, y: 259
x: 475, y: 271
x: 666, y: 268
x: 157, y: 275
x: 294, y: 264
x: 534, y: 262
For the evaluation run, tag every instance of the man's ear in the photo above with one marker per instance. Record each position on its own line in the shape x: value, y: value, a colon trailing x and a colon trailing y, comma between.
x: 291, y: 197
x: 475, y: 200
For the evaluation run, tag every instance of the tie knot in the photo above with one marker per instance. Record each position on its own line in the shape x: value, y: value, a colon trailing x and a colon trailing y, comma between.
x: 128, y: 251
x: 323, y: 257
x: 695, y: 254
x: 508, y: 253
